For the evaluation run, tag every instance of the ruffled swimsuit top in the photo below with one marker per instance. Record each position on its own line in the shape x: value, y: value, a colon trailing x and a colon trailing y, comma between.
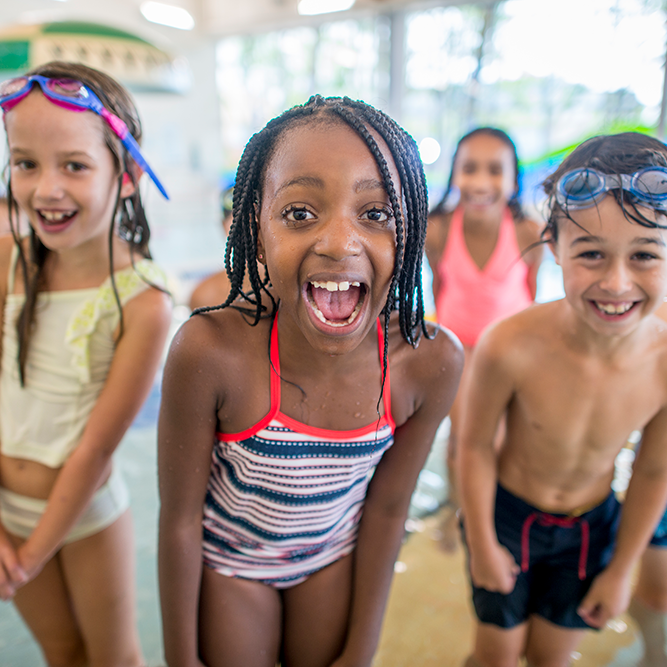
x: 70, y: 353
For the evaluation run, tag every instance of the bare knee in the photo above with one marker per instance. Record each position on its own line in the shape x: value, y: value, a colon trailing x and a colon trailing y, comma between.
x: 545, y: 659
x: 64, y: 653
x: 490, y: 660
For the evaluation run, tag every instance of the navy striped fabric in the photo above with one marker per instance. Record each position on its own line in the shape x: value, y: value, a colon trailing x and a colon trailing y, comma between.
x: 285, y: 499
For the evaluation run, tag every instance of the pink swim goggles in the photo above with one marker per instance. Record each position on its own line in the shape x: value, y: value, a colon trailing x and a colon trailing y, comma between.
x: 75, y: 96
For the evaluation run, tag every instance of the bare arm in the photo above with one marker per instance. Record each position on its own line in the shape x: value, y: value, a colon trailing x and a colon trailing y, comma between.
x: 135, y: 361
x: 382, y: 525
x: 186, y: 433
x: 436, y: 238
x: 529, y: 238
x: 644, y: 505
x: 486, y: 394
x: 11, y: 572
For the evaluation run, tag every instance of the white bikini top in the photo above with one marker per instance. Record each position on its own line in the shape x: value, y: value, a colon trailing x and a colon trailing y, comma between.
x: 70, y: 353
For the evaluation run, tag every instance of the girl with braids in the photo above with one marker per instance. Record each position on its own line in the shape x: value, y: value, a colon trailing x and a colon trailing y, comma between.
x: 572, y: 378
x: 294, y: 429
x: 83, y: 328
x: 484, y: 254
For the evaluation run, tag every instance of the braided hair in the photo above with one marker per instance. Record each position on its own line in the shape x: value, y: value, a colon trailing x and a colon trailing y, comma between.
x: 133, y: 225
x: 623, y: 153
x: 405, y: 290
x: 514, y: 203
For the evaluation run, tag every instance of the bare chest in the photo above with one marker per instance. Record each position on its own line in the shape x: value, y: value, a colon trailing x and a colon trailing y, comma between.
x: 570, y: 407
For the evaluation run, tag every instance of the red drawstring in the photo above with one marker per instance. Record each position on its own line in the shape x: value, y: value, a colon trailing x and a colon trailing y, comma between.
x: 562, y: 522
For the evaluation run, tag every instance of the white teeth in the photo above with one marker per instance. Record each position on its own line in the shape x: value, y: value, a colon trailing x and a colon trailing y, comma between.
x: 55, y: 216
x: 614, y: 308
x: 332, y: 286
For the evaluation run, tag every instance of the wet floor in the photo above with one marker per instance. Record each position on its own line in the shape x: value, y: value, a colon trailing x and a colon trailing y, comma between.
x: 428, y: 621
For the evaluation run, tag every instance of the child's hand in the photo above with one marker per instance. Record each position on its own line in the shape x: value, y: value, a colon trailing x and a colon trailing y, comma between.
x: 609, y: 596
x: 12, y: 575
x: 494, y: 569
x: 30, y: 565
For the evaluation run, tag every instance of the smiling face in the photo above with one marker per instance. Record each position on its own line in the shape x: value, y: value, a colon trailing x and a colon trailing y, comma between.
x: 485, y: 174
x: 62, y: 173
x: 614, y: 271
x: 328, y: 233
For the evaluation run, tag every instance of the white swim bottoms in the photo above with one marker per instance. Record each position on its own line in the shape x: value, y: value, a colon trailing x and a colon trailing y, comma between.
x: 20, y: 514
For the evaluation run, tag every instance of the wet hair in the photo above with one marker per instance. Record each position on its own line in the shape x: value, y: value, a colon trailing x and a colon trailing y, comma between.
x: 514, y: 203
x: 132, y: 223
x: 623, y: 153
x: 405, y: 291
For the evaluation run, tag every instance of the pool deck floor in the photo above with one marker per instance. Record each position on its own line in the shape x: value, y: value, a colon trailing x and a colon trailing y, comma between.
x: 428, y: 621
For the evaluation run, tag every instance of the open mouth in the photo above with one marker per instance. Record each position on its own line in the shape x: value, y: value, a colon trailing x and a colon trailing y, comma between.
x: 336, y: 304
x: 615, y: 309
x: 480, y: 200
x: 55, y: 218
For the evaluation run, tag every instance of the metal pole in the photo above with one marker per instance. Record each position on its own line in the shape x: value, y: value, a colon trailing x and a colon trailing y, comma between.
x: 396, y: 65
x: 663, y: 103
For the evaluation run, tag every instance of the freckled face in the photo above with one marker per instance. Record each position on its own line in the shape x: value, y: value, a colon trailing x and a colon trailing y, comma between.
x: 485, y: 174
x: 614, y: 271
x: 62, y: 172
x: 328, y: 233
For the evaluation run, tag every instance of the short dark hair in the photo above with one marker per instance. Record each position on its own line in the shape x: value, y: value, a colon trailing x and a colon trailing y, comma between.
x: 623, y: 153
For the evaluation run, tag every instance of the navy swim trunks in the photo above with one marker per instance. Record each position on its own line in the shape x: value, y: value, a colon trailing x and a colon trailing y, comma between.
x: 559, y: 555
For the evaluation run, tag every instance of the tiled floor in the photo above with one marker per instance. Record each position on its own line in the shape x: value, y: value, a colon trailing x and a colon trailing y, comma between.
x: 428, y: 620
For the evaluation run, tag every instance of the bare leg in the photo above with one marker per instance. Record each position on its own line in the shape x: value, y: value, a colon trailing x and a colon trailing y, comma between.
x: 551, y: 645
x: 649, y: 606
x: 45, y: 606
x: 449, y: 527
x: 316, y: 616
x: 100, y: 576
x: 239, y: 622
x: 497, y: 647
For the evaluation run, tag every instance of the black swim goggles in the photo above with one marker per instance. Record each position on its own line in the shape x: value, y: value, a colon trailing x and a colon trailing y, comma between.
x: 584, y: 188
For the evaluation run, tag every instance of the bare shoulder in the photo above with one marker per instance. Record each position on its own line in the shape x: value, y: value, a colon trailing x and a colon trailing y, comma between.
x: 524, y: 337
x: 151, y: 306
x: 529, y: 238
x: 436, y: 232
x: 219, y: 347
x: 211, y: 291
x: 431, y: 371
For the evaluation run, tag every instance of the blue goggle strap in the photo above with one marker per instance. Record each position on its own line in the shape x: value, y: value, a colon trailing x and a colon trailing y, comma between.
x: 590, y: 196
x: 90, y: 101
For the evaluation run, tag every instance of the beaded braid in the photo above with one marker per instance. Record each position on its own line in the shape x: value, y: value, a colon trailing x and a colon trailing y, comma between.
x: 514, y: 203
x: 405, y: 290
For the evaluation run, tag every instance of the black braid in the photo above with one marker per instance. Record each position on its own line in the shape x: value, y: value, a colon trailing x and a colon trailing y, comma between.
x: 405, y: 291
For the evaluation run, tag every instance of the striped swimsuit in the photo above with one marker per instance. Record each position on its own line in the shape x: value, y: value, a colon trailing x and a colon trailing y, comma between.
x: 284, y: 499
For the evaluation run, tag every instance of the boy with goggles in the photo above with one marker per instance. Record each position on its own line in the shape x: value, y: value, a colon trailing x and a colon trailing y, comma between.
x: 551, y: 552
x: 75, y: 96
x: 583, y: 188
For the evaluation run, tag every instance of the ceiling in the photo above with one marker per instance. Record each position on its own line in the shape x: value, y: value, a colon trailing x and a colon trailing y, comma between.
x: 214, y: 18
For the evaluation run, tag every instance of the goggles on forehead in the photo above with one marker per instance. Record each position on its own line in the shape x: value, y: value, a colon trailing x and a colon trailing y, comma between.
x: 583, y: 188
x: 75, y: 96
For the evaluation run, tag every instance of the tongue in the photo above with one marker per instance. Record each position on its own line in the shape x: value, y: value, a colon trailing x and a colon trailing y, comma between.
x: 336, y: 306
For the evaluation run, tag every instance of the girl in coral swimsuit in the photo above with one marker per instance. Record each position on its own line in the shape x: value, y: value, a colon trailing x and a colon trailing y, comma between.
x: 483, y: 258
